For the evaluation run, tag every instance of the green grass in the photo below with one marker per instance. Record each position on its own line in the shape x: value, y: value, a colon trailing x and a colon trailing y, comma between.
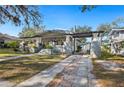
x: 105, y: 55
x: 118, y: 58
x: 8, y: 52
x: 8, y: 55
x: 20, y: 69
x: 108, y: 56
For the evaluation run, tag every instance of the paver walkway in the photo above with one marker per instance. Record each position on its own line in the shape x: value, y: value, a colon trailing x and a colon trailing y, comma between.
x: 76, y: 74
x: 75, y: 70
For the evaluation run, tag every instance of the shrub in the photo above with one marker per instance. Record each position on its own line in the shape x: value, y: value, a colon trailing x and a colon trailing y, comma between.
x: 48, y: 47
x: 78, y: 48
x: 105, y: 55
x: 12, y: 44
x: 106, y: 48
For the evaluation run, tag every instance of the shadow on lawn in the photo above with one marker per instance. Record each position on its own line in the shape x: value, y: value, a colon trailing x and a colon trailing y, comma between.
x: 18, y: 70
x: 22, y: 72
x: 108, y: 78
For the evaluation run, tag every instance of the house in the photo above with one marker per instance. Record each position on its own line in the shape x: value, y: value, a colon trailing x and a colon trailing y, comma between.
x: 5, y: 38
x: 116, y: 40
x: 55, y: 38
x: 62, y: 42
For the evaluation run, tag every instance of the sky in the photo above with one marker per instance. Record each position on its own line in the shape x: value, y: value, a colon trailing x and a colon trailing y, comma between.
x: 66, y: 17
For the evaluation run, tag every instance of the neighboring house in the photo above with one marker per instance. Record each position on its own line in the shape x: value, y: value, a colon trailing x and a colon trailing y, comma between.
x: 116, y: 39
x: 5, y: 38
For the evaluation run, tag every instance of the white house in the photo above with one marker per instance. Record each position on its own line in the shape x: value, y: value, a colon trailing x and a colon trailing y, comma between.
x: 63, y: 42
x: 116, y: 39
x: 57, y: 39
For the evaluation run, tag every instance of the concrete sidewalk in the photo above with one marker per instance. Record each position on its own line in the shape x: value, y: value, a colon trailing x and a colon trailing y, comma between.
x: 4, y: 83
x: 16, y: 57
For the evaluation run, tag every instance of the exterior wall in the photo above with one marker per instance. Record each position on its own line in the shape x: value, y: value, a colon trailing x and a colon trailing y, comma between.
x: 122, y: 52
x: 67, y: 47
x: 115, y: 38
x: 38, y: 41
x: 59, y: 49
x: 86, y: 48
x: 2, y: 40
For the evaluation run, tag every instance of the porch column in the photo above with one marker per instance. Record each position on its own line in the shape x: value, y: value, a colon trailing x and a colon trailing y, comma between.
x: 95, y: 50
x: 74, y: 45
x: 68, y: 44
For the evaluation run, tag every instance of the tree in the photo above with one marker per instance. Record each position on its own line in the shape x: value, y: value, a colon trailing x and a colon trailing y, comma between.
x: 85, y: 28
x: 87, y: 8
x: 29, y: 32
x: 104, y: 27
x: 20, y: 14
x: 107, y: 27
x: 118, y: 23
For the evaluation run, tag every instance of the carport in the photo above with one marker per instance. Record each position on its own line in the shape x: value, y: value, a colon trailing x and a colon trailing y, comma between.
x: 96, y: 39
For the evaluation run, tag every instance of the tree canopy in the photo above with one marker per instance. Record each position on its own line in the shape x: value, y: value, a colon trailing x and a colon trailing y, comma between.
x: 84, y: 28
x: 104, y: 27
x: 87, y: 8
x: 29, y: 32
x: 117, y: 23
x: 20, y: 14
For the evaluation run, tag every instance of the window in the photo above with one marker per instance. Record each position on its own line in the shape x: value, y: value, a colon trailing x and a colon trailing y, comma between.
x: 116, y: 34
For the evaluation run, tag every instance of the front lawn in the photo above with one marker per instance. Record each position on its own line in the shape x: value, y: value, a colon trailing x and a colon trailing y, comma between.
x: 114, y: 75
x: 116, y: 58
x: 20, y: 69
x: 8, y: 52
